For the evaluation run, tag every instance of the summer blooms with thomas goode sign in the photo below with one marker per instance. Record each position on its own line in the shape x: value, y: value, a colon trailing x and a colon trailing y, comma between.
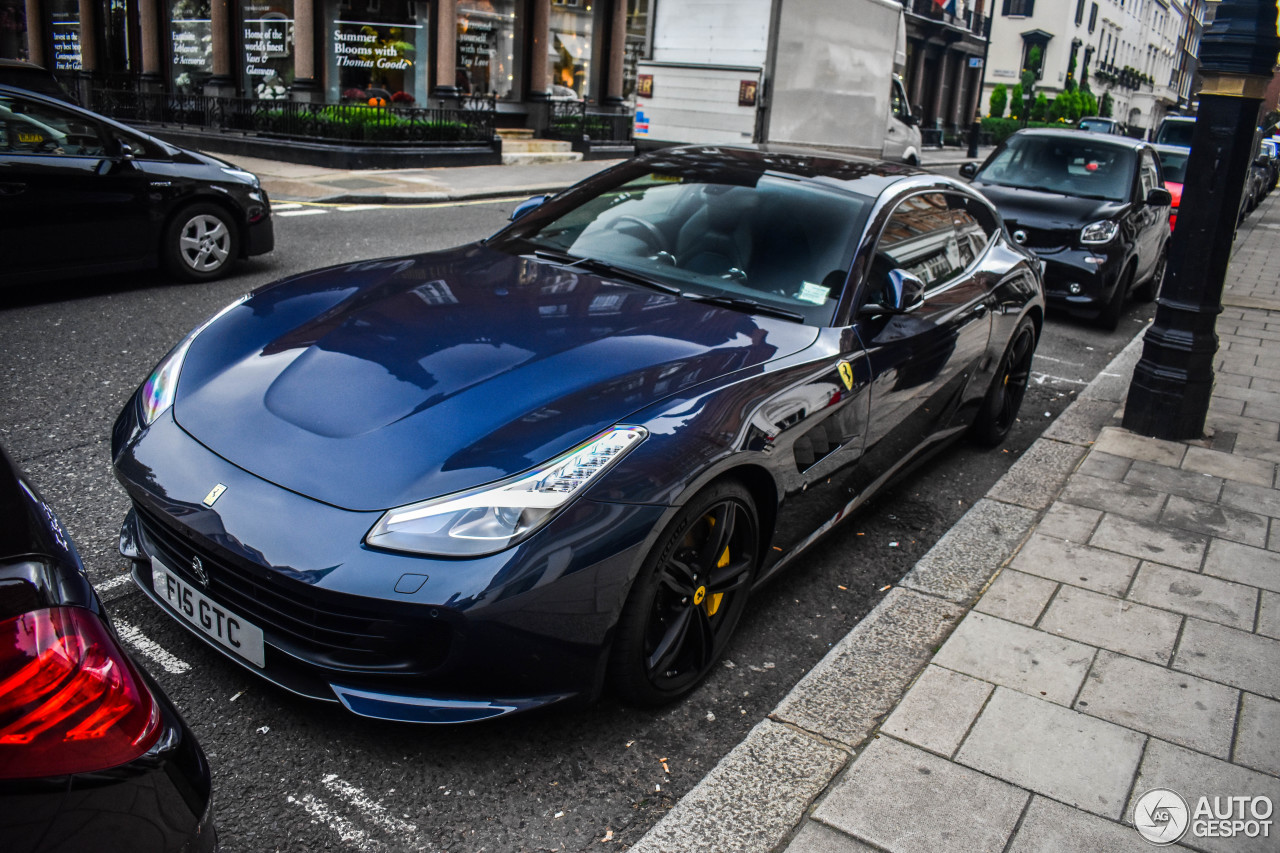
x: 377, y: 51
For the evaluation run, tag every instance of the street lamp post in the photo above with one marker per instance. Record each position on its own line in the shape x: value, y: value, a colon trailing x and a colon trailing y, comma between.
x: 1172, y: 384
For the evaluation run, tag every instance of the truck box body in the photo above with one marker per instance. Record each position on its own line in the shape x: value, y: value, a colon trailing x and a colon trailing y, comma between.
x: 824, y: 79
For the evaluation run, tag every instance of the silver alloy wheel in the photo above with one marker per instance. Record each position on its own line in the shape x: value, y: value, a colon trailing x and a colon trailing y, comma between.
x: 204, y: 243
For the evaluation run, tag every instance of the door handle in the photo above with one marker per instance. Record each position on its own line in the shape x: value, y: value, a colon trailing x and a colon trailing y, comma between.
x: 980, y: 309
x: 12, y: 188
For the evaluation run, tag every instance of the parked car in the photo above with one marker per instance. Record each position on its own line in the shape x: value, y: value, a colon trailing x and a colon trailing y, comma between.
x: 1176, y: 130
x: 34, y: 78
x: 80, y: 193
x: 1098, y: 124
x: 451, y: 486
x: 93, y: 755
x: 1173, y: 168
x: 1093, y: 208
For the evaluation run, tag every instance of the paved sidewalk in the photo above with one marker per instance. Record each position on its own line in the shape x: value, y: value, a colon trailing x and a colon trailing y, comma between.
x: 286, y: 182
x: 1104, y: 623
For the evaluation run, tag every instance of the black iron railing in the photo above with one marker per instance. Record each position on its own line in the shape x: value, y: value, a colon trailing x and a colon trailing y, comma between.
x: 572, y: 121
x: 471, y: 121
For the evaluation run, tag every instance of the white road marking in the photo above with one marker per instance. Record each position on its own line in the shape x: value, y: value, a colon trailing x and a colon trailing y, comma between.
x: 150, y: 648
x: 353, y: 207
x: 1058, y: 360
x: 306, y: 211
x: 288, y: 205
x: 368, y: 807
x: 343, y: 828
x: 112, y: 583
x: 1041, y: 378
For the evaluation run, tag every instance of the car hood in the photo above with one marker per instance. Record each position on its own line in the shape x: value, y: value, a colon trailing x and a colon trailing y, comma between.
x: 380, y: 383
x: 1047, y: 211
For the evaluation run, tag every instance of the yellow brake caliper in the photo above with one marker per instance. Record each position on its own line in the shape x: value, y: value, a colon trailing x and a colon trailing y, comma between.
x: 711, y: 603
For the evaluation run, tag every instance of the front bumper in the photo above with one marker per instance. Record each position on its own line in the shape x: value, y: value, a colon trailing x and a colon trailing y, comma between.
x: 390, y: 635
x: 1080, y: 281
x: 260, y: 236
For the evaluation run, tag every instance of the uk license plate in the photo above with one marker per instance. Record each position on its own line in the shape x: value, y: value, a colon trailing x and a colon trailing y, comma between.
x: 228, y: 629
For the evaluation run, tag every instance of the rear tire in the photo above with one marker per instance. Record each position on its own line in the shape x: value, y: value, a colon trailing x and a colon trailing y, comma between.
x: 688, y: 597
x: 200, y: 243
x: 1000, y: 407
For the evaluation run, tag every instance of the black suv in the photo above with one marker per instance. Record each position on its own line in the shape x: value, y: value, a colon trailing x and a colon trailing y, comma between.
x: 1093, y: 207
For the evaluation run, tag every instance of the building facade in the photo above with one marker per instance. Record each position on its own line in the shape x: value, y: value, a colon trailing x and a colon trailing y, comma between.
x: 1140, y: 52
x: 407, y: 52
x: 946, y: 51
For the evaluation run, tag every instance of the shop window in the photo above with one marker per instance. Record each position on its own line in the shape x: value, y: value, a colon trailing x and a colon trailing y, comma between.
x: 486, y: 47
x: 267, y: 29
x: 64, y: 32
x: 376, y: 52
x: 569, y: 61
x: 191, y: 40
x: 637, y: 45
x: 13, y: 29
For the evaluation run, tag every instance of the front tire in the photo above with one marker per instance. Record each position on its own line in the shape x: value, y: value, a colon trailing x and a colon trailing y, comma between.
x: 201, y: 243
x: 1150, y: 289
x: 1109, y: 317
x: 1004, y: 398
x: 688, y: 597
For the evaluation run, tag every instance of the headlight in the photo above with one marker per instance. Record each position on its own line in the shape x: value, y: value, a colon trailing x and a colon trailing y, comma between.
x: 162, y: 385
x: 1097, y: 233
x: 488, y: 519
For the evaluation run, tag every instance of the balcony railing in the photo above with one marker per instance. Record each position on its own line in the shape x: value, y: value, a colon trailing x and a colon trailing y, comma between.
x: 471, y: 122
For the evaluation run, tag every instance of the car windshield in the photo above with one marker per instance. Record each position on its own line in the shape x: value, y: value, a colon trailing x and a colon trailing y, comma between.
x: 1076, y: 166
x: 1097, y: 125
x: 1174, y: 165
x: 749, y: 239
x: 1176, y: 133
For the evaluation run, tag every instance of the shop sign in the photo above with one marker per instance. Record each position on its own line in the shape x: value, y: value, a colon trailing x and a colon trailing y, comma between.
x: 65, y: 19
x: 191, y: 34
x: 268, y: 48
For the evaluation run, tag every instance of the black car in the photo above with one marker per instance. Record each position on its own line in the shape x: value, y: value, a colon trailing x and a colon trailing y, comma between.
x: 80, y: 193
x: 1093, y: 207
x: 451, y: 486
x: 1099, y: 124
x: 34, y: 78
x: 93, y: 756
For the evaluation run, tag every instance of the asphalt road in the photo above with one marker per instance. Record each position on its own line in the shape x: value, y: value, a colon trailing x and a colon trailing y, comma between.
x: 295, y: 775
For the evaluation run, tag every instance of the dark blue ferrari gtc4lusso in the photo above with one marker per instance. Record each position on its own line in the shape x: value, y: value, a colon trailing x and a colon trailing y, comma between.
x: 451, y: 486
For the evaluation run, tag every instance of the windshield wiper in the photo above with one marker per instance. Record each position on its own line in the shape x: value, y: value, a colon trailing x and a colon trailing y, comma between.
x: 605, y: 268
x: 741, y: 303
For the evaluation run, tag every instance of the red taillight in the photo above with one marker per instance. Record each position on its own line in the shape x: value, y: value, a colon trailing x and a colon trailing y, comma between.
x: 70, y: 699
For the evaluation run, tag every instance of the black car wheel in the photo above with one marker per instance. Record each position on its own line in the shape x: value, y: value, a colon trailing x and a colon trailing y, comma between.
x: 201, y: 243
x: 1004, y: 398
x: 688, y: 597
x: 1109, y: 317
x: 1151, y: 288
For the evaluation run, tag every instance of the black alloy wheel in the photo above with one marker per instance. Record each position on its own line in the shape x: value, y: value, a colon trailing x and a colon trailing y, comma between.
x: 1004, y: 398
x: 688, y: 597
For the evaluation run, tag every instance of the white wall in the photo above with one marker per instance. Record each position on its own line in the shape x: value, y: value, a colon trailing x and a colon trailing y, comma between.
x: 719, y: 32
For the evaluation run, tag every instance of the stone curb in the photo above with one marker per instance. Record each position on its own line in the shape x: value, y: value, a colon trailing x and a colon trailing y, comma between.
x: 755, y: 799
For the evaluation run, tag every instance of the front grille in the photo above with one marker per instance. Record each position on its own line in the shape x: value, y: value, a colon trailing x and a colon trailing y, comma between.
x: 1042, y: 238
x: 329, y: 629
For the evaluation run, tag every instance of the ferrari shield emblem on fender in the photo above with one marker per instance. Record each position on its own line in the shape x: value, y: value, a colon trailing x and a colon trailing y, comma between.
x: 215, y: 493
x: 846, y: 374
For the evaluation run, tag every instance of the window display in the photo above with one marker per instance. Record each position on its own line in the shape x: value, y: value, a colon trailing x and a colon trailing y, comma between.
x: 267, y: 27
x: 191, y: 30
x: 637, y: 46
x: 376, y: 52
x: 64, y: 29
x: 570, y: 47
x: 487, y: 47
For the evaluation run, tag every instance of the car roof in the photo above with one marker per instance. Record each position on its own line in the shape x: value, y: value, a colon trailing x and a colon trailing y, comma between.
x: 6, y: 88
x: 1073, y: 133
x: 856, y: 174
x: 1170, y: 149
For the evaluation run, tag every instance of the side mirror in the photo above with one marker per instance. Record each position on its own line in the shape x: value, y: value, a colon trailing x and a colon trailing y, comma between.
x: 1159, y: 197
x: 968, y: 170
x: 1262, y: 160
x: 527, y: 205
x: 902, y: 294
x: 910, y: 119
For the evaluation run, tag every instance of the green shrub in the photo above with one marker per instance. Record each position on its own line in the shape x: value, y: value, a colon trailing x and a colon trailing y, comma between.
x: 1000, y: 129
x: 1017, y: 104
x: 1040, y: 109
x: 999, y: 100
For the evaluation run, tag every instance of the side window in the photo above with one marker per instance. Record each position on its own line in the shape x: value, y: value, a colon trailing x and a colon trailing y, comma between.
x: 29, y: 127
x: 1149, y: 177
x: 897, y: 99
x: 920, y: 238
x: 971, y: 237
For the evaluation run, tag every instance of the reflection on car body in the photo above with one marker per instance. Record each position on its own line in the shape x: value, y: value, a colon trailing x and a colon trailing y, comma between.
x: 493, y: 478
